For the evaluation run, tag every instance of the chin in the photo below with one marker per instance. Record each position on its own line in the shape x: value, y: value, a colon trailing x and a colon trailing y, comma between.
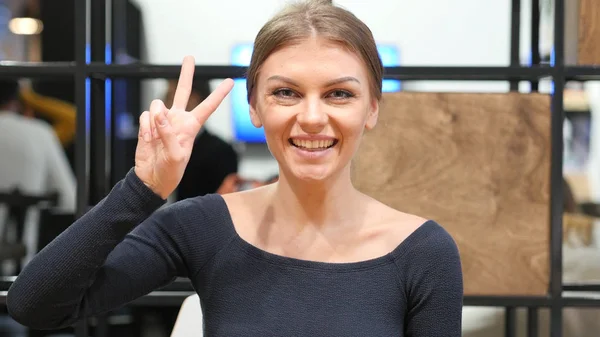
x: 311, y: 177
x: 316, y: 174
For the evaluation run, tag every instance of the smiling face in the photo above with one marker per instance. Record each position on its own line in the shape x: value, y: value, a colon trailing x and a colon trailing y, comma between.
x: 313, y: 99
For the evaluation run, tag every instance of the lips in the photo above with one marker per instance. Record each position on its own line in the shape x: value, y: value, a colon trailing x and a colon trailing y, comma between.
x: 313, y: 144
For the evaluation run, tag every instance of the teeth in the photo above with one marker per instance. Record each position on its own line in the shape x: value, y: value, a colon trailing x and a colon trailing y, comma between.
x: 312, y: 144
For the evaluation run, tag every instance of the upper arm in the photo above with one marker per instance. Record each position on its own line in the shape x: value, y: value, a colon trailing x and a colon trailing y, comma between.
x: 434, y: 288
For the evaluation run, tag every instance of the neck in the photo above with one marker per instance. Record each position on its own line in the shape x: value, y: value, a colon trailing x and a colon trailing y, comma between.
x: 318, y: 204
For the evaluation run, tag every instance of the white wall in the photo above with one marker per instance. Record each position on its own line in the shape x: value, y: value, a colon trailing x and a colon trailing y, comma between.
x: 440, y: 32
x: 434, y: 32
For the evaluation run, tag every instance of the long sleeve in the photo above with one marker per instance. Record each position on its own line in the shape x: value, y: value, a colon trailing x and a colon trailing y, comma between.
x: 122, y: 249
x: 434, y: 287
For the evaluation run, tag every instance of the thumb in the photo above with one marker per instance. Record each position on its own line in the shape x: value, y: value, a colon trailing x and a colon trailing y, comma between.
x: 168, y: 137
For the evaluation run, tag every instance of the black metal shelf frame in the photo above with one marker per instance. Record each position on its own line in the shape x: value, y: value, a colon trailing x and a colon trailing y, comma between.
x: 99, y: 70
x: 90, y: 71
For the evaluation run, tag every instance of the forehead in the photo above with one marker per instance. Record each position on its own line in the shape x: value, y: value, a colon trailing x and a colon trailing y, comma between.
x: 314, y: 58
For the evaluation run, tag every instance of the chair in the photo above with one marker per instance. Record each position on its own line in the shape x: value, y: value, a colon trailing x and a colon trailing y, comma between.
x: 189, y: 321
x: 18, y: 204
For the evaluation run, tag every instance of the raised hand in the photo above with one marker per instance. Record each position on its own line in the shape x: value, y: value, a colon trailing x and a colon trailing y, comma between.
x: 167, y: 136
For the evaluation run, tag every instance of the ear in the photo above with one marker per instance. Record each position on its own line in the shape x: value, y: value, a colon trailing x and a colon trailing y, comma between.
x: 254, y: 116
x: 373, y: 114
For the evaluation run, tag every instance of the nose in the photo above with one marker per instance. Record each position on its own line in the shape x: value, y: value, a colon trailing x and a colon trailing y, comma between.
x: 313, y: 116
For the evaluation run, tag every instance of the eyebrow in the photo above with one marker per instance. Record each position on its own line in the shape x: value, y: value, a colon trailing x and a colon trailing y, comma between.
x: 330, y: 83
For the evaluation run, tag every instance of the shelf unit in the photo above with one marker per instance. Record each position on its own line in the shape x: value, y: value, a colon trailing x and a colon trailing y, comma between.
x: 91, y: 174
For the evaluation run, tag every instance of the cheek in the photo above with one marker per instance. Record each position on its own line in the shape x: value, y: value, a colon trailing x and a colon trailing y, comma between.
x: 352, y: 124
x: 275, y: 122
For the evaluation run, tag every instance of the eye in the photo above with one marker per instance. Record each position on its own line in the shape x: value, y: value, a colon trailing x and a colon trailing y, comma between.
x: 284, y: 93
x: 341, y: 94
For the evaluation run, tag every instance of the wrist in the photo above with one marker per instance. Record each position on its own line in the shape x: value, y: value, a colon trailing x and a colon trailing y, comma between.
x: 141, y: 197
x: 152, y: 187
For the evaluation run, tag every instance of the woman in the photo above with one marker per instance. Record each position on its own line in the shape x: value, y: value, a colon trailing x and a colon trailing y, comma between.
x: 306, y: 256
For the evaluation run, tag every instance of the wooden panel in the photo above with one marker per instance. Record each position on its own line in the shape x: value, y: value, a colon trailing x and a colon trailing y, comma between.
x: 589, y: 32
x: 479, y: 164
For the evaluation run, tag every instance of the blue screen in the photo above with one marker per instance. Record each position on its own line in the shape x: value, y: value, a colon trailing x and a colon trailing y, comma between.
x: 243, y: 129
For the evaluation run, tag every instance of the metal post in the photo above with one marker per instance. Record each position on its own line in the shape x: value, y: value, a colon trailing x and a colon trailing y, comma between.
x: 556, y: 207
x: 532, y: 322
x: 510, y: 322
x: 100, y: 126
x: 515, y: 40
x: 535, y: 39
x: 82, y: 136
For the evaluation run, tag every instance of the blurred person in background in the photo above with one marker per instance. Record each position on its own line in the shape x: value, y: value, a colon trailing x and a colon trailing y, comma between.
x: 59, y: 114
x: 33, y: 161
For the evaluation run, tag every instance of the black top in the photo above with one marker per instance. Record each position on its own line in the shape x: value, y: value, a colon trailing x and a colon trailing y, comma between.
x: 125, y: 247
x: 212, y: 160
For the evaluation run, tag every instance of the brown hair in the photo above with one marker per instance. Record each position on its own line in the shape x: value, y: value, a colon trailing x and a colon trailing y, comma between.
x: 304, y: 19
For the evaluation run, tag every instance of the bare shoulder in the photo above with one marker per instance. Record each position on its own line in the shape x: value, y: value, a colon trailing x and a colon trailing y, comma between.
x: 393, y: 226
x: 246, y: 208
x: 397, y: 228
x: 246, y: 200
x: 395, y: 219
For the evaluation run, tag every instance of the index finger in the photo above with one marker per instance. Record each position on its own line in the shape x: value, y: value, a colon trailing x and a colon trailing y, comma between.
x: 212, y: 102
x: 184, y: 84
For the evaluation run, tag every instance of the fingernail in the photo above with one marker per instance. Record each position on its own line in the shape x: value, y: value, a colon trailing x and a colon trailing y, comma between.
x: 147, y: 137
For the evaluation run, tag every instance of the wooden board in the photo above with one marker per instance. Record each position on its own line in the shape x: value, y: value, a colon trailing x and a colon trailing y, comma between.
x: 589, y: 32
x: 479, y: 164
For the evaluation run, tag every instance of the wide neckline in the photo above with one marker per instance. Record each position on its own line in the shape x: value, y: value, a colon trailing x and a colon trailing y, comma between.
x: 282, y: 260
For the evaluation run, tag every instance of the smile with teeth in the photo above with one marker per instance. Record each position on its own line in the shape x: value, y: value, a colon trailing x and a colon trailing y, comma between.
x: 313, y: 145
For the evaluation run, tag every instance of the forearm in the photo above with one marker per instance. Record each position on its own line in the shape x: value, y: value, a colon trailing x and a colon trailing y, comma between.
x: 50, y: 290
